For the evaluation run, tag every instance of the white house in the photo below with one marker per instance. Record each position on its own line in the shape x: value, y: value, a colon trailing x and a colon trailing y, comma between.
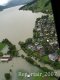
x: 31, y: 47
x: 54, y: 42
x: 36, y: 43
x: 39, y: 47
x: 53, y: 56
x: 38, y: 29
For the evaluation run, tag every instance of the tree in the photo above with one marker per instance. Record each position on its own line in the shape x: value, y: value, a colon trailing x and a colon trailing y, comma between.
x: 28, y: 41
x: 7, y: 76
x: 1, y: 54
x: 58, y: 51
x: 30, y: 60
x: 10, y: 70
x: 6, y: 41
x: 22, y: 56
x: 12, y: 51
x: 22, y: 44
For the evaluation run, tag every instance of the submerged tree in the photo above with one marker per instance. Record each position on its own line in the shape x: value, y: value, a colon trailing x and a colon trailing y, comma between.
x: 7, y: 76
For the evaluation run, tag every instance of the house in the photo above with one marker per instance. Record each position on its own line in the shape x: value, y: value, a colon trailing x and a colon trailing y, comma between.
x: 38, y: 29
x: 30, y: 46
x: 53, y: 42
x: 53, y: 57
x: 59, y: 58
x: 54, y: 45
x: 42, y: 52
x: 5, y: 58
x: 40, y: 49
x: 36, y: 43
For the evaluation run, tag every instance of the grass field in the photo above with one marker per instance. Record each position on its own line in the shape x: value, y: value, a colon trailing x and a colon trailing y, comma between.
x: 45, y: 59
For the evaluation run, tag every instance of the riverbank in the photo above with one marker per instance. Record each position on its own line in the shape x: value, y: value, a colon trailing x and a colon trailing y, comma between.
x: 38, y: 6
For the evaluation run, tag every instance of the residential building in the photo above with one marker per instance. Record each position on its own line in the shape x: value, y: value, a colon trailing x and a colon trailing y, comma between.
x: 53, y: 57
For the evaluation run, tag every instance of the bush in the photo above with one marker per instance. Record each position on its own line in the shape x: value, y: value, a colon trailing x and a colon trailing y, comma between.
x: 29, y: 60
x: 7, y: 76
x: 56, y: 65
x: 22, y: 56
x: 46, y: 69
x: 1, y: 54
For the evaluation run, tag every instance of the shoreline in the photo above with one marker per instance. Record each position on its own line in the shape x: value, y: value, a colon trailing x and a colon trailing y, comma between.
x: 12, y: 7
x: 21, y: 8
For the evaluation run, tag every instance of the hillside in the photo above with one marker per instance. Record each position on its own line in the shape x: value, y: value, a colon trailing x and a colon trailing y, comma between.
x: 1, y: 8
x: 38, y: 6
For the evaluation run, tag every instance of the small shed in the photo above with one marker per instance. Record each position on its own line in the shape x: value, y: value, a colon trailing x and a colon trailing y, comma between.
x: 5, y: 58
